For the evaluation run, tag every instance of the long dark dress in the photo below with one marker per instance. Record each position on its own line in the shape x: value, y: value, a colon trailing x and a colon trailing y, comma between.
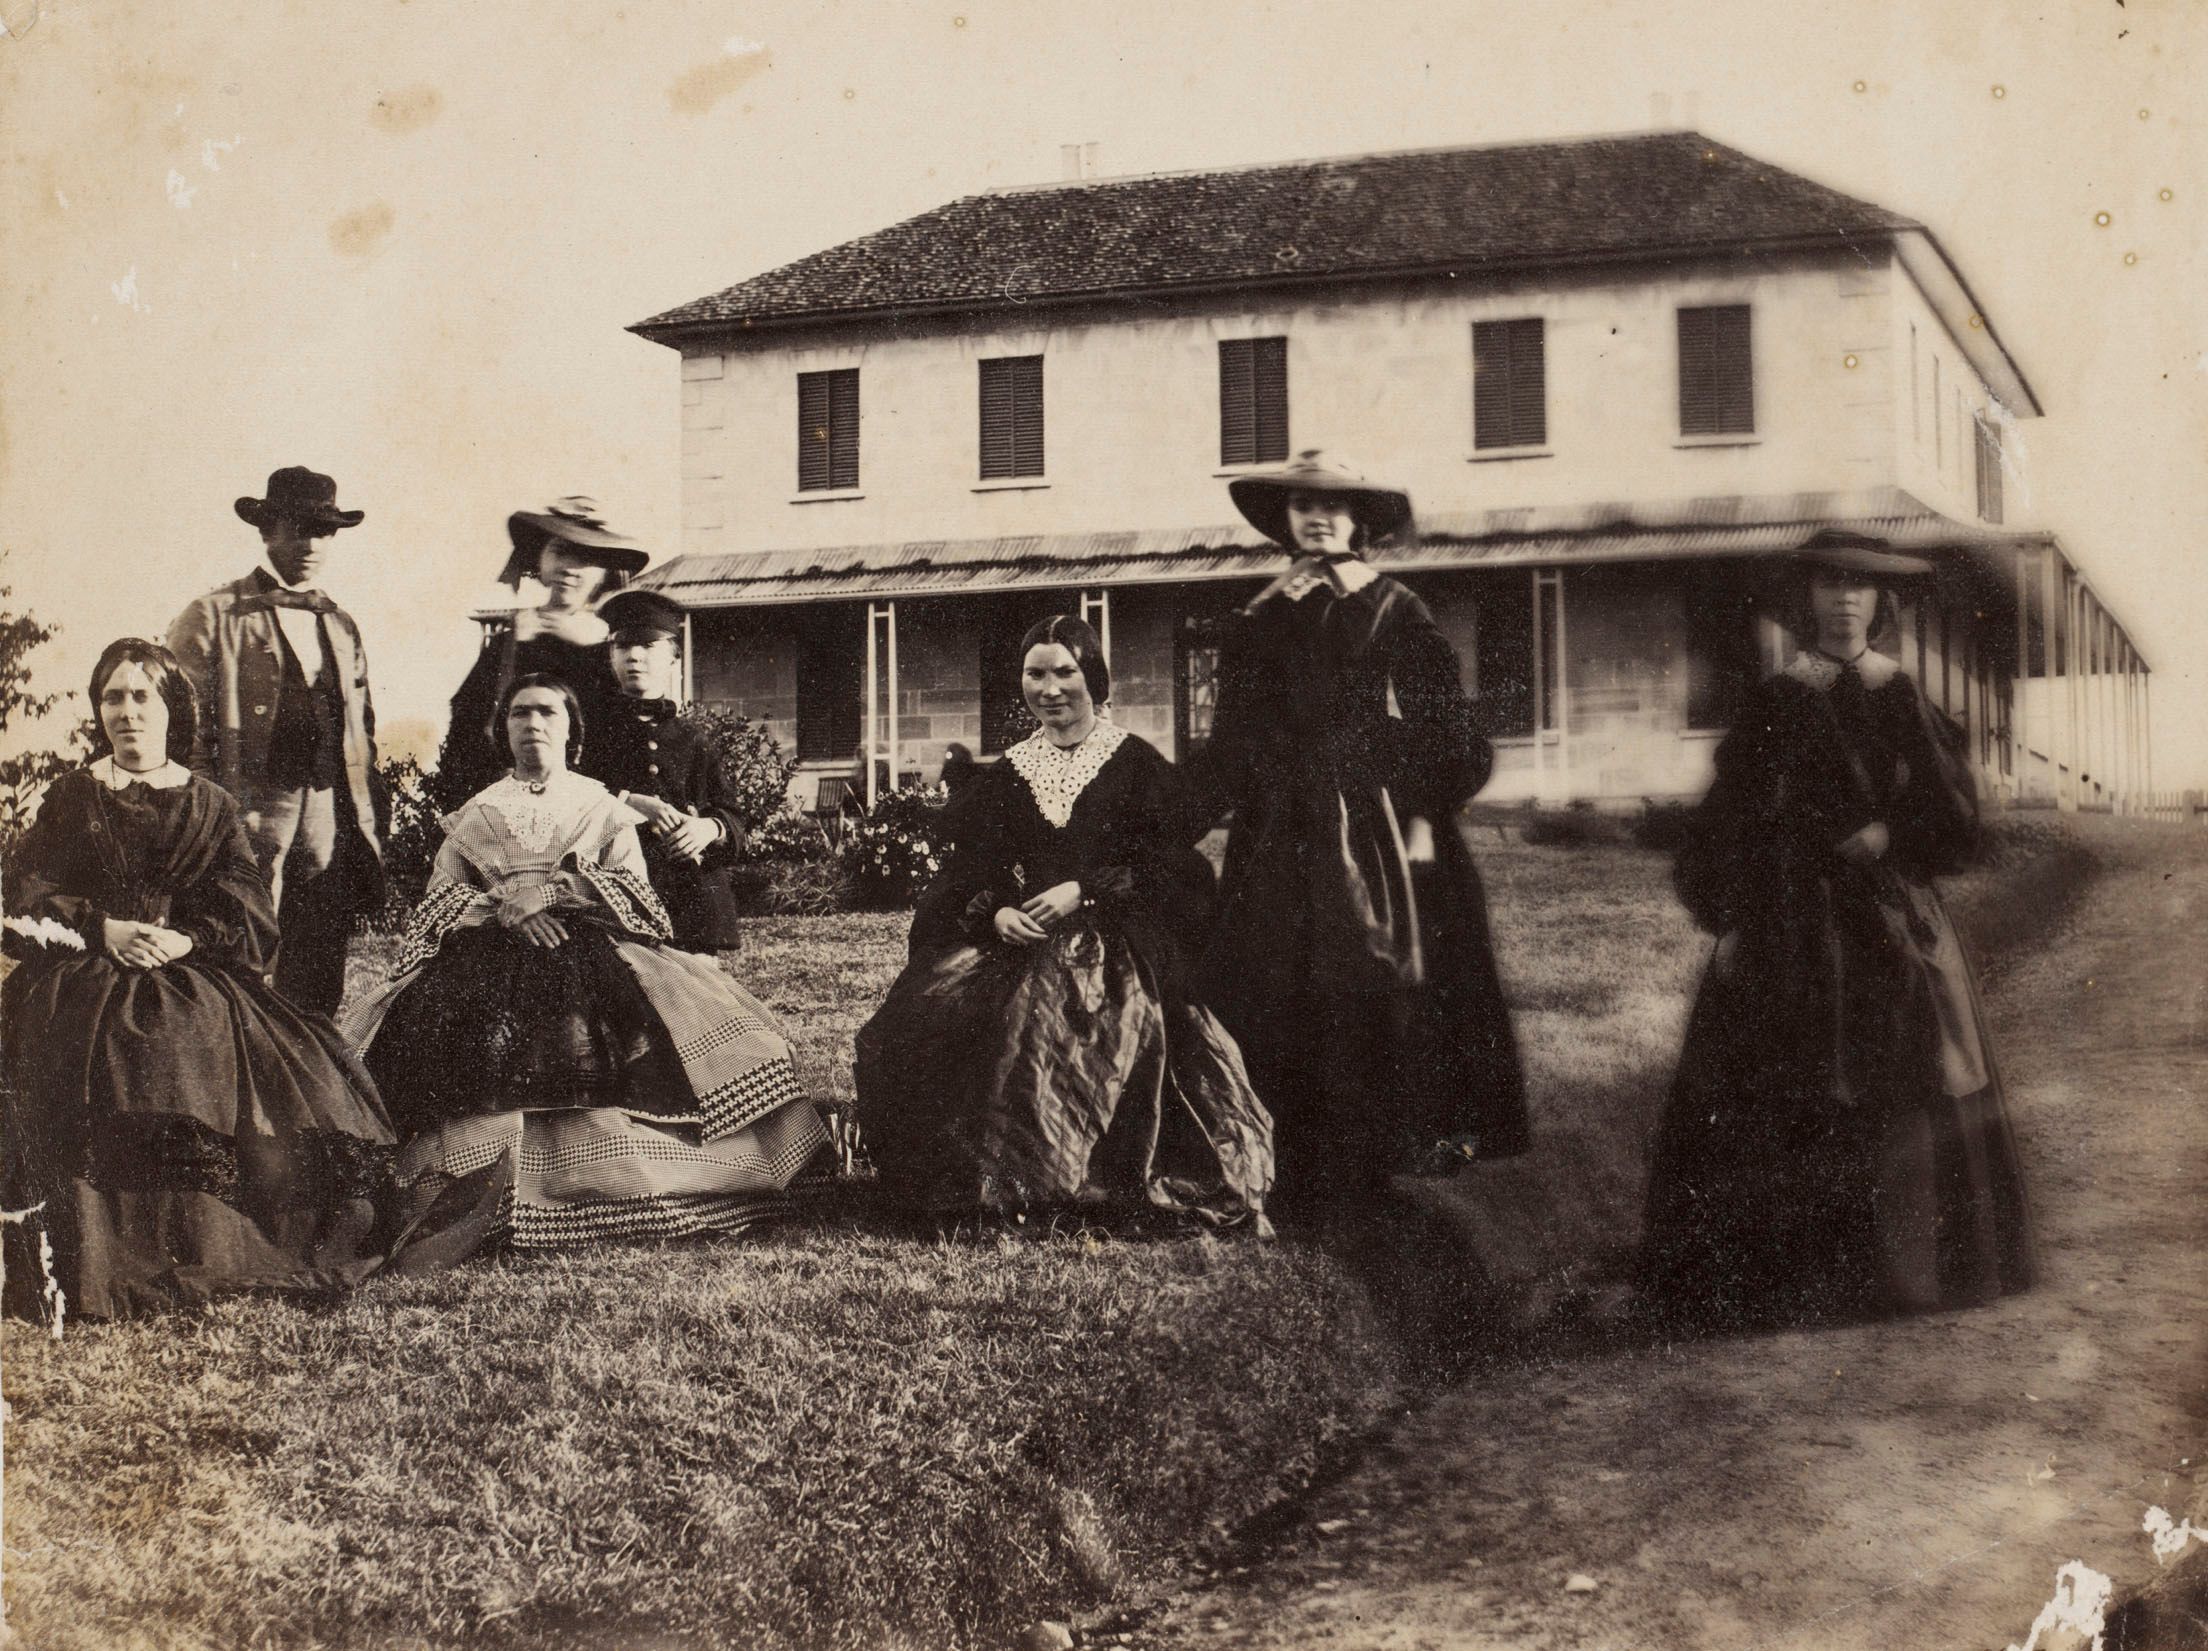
x: 474, y: 752
x: 1362, y: 989
x: 1836, y: 1142
x: 1074, y: 1072
x: 184, y: 1130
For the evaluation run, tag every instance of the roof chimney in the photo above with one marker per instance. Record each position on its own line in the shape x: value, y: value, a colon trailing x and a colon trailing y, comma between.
x: 1077, y: 160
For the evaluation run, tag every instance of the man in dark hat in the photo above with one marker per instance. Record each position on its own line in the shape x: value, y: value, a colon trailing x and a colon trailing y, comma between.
x: 287, y: 727
x: 660, y: 766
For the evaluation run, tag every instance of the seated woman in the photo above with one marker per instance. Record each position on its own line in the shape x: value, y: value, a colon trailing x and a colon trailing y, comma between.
x: 557, y: 1072
x: 1040, y: 1049
x: 1835, y: 1144
x: 175, y: 1128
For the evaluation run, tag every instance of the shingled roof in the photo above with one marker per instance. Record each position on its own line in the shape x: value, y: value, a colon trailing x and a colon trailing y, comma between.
x: 1422, y: 212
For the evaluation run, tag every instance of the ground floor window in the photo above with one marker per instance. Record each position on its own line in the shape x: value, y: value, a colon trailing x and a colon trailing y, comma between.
x: 1498, y: 664
x: 831, y: 663
x: 1722, y: 655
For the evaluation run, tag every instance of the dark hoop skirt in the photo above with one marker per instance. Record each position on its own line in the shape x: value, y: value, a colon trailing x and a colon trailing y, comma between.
x: 1836, y: 1143
x: 186, y: 1131
x: 496, y: 1024
x: 1075, y: 1073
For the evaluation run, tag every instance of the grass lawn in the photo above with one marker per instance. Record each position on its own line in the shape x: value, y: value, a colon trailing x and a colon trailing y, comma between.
x: 829, y: 1437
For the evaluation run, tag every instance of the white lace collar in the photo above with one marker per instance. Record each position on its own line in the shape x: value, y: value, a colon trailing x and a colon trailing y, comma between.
x: 1057, y: 776
x: 114, y: 776
x: 535, y: 819
x: 1821, y: 671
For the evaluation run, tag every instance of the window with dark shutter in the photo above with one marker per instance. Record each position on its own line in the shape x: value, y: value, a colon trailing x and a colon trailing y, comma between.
x: 1253, y: 400
x: 1717, y: 395
x: 1012, y: 416
x: 828, y: 429
x: 1510, y: 398
x: 1989, y: 472
x: 831, y: 667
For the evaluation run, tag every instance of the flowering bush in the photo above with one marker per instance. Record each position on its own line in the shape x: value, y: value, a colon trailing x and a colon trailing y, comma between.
x: 787, y: 836
x: 897, y: 847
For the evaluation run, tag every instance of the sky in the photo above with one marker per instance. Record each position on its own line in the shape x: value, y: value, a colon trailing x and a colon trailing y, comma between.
x: 399, y: 240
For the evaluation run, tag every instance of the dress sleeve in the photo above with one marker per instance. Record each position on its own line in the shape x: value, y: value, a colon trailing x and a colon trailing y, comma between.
x: 227, y: 911
x: 1737, y: 812
x: 620, y: 887
x: 959, y: 905
x: 1441, y: 755
x: 1935, y: 824
x: 1154, y: 877
x: 38, y: 882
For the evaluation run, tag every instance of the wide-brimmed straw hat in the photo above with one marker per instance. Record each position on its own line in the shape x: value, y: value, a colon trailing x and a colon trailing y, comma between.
x: 575, y: 522
x: 301, y: 495
x: 1844, y: 551
x: 1262, y: 496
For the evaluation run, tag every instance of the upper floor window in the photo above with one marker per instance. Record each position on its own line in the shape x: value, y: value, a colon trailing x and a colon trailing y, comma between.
x: 1510, y: 400
x: 1989, y: 472
x: 1253, y: 400
x: 1011, y: 416
x: 1716, y: 373
x: 828, y: 429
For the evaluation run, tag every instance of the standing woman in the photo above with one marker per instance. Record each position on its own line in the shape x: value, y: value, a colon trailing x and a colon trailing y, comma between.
x: 1351, y: 957
x: 175, y: 1130
x: 1836, y: 1143
x: 577, y: 559
x: 1040, y: 1050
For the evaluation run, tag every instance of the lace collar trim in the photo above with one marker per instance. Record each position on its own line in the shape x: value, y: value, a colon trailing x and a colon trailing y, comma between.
x: 1821, y: 671
x: 536, y: 820
x: 1056, y: 776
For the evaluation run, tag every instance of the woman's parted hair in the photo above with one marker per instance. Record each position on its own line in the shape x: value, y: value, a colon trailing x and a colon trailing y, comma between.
x: 1078, y: 637
x: 542, y: 679
x: 169, y: 679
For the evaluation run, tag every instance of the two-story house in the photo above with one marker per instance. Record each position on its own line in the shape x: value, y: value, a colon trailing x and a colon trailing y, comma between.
x: 1616, y: 375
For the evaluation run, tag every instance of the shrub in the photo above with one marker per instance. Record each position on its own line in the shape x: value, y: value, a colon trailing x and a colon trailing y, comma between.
x: 407, y: 804
x: 897, y: 847
x: 751, y: 759
x: 1574, y: 827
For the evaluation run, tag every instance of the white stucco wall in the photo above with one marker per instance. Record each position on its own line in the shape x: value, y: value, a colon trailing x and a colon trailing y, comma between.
x: 1132, y: 421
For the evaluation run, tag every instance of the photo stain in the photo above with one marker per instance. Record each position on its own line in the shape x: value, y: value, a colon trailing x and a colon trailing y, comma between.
x: 2000, y: 91
x: 2130, y: 258
x: 2102, y: 219
x: 399, y: 113
x: 695, y: 91
x: 1862, y: 85
x: 2168, y: 195
x: 359, y: 234
x: 1848, y: 361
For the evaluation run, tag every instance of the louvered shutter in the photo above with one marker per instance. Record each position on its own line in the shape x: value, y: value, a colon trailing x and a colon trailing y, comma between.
x: 1716, y: 372
x: 1012, y: 416
x: 812, y: 431
x: 843, y: 428
x: 1237, y: 402
x: 1269, y: 360
x: 1509, y: 384
x: 828, y: 429
x: 1253, y: 400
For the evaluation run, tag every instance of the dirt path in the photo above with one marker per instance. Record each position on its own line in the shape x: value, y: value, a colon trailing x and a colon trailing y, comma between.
x: 1913, y: 1484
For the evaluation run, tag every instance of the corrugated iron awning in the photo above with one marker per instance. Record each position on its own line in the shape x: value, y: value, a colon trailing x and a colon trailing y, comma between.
x: 1725, y: 526
x: 1732, y: 525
